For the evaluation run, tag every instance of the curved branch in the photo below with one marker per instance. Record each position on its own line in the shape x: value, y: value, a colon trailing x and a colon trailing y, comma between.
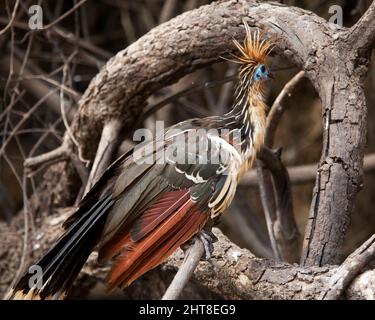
x: 277, y: 202
x: 350, y: 269
x: 278, y: 109
x: 11, y: 20
x: 231, y: 272
x: 180, y: 46
x: 284, y: 224
x: 237, y: 274
x: 267, y: 198
x: 174, y: 49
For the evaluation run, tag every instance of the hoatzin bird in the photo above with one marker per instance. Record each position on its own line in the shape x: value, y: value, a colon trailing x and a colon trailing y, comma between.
x: 138, y: 214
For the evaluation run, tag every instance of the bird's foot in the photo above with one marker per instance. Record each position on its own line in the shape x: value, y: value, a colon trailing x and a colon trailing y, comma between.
x: 208, y: 239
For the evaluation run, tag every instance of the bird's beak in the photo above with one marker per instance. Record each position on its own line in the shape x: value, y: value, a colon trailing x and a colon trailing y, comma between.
x: 270, y: 75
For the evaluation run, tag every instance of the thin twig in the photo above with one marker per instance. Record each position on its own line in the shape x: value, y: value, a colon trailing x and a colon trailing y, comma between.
x: 269, y: 205
x: 106, y: 149
x: 184, y: 273
x: 168, y: 10
x: 32, y: 165
x: 63, y: 16
x: 62, y: 108
x: 62, y: 87
x: 63, y: 114
x: 284, y: 226
x: 200, y: 86
x: 37, y: 88
x: 349, y: 269
x: 278, y: 108
x: 302, y: 174
x: 276, y: 197
x: 67, y: 36
x: 23, y: 120
x: 11, y: 19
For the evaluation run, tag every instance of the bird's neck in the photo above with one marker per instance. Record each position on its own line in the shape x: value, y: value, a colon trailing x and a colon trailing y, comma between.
x: 257, y: 118
x: 248, y: 115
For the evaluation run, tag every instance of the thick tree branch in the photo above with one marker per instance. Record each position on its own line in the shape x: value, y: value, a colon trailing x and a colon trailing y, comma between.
x: 232, y: 272
x: 340, y: 168
x: 344, y: 136
x: 236, y: 273
x: 362, y: 34
x: 176, y: 48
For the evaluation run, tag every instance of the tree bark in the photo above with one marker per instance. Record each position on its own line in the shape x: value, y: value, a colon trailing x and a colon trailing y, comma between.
x: 232, y: 272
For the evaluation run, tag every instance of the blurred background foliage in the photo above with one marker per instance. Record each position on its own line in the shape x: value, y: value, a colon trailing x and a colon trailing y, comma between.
x: 36, y: 66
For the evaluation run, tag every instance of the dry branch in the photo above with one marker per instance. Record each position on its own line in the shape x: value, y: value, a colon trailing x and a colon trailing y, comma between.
x: 11, y: 20
x: 303, y: 174
x: 284, y: 225
x: 362, y: 34
x: 278, y: 108
x: 106, y: 149
x: 36, y: 163
x: 232, y: 272
x: 344, y: 136
x: 236, y: 273
x: 170, y: 51
x: 350, y: 268
x: 269, y: 206
x: 37, y: 88
x: 186, y: 270
x: 275, y: 192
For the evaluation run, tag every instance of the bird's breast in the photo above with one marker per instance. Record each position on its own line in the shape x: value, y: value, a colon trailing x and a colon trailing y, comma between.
x: 257, y: 120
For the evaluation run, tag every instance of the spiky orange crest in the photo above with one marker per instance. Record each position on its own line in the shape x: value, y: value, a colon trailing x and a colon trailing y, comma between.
x: 252, y: 53
x: 254, y: 50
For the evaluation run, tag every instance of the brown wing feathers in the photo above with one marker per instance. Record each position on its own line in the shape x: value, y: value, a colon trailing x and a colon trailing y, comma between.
x: 149, y: 219
x: 162, y: 228
x: 156, y: 213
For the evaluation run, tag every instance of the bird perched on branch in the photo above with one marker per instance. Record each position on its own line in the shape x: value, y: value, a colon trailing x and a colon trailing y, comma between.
x: 140, y: 212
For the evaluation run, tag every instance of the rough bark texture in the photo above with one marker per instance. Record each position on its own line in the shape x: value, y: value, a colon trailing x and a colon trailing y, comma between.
x: 232, y: 273
x: 343, y: 63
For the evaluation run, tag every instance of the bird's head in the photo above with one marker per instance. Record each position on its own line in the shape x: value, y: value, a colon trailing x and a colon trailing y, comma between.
x: 262, y: 72
x: 252, y: 55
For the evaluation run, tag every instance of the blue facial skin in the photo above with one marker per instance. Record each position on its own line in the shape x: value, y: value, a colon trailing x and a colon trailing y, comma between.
x: 262, y: 73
